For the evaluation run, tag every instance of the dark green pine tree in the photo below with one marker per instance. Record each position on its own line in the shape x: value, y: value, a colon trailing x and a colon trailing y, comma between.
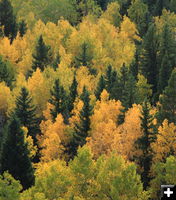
x: 103, y: 3
x: 110, y: 79
x: 42, y: 56
x: 100, y: 87
x: 6, y: 73
x: 15, y: 155
x: 8, y: 20
x: 26, y: 113
x: 167, y: 107
x: 148, y: 59
x: 164, y: 73
x: 22, y: 28
x: 144, y: 144
x: 118, y: 88
x: 85, y: 57
x: 128, y: 92
x: 60, y: 101
x: 81, y: 130
x: 56, y: 62
x: 73, y: 93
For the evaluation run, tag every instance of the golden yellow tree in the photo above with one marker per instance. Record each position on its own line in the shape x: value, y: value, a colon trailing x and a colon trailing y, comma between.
x: 128, y: 133
x: 53, y: 139
x: 104, y: 125
x: 165, y: 144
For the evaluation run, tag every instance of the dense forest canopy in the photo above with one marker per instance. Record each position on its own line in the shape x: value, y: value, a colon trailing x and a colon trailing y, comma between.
x: 87, y: 99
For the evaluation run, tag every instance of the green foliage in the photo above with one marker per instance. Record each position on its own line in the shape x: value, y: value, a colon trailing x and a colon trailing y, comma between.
x: 81, y: 129
x: 42, y: 56
x: 16, y: 159
x: 26, y: 113
x: 143, y: 90
x: 60, y: 101
x: 22, y: 28
x: 144, y: 144
x: 138, y: 13
x: 100, y: 87
x: 148, y: 59
x: 166, y: 57
x: 8, y: 20
x: 84, y: 57
x: 9, y: 187
x: 6, y: 73
x: 73, y: 93
x: 167, y: 107
x: 164, y: 173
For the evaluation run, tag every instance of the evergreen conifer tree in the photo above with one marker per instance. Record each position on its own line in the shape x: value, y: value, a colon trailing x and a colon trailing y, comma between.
x: 42, y: 56
x: 166, y: 59
x: 85, y: 57
x: 8, y: 20
x: 149, y: 67
x: 144, y: 144
x: 167, y: 107
x: 15, y: 155
x: 6, y: 73
x: 73, y: 93
x: 110, y: 79
x: 60, y: 101
x: 26, y: 113
x: 22, y: 28
x: 81, y: 130
x: 100, y: 87
x: 56, y: 62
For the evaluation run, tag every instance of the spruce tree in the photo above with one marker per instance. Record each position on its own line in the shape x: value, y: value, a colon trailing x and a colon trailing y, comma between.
x: 73, y: 93
x: 56, y: 62
x: 167, y: 106
x: 149, y: 67
x: 8, y: 20
x: 6, y: 73
x: 26, y: 113
x: 100, y: 87
x: 60, y: 102
x: 22, y: 28
x: 84, y: 57
x: 164, y: 73
x: 144, y: 144
x: 81, y: 129
x: 110, y: 79
x: 15, y: 155
x: 42, y: 56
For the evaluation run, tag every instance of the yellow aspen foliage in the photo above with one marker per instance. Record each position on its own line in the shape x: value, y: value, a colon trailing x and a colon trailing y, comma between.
x: 5, y: 98
x: 104, y: 125
x: 112, y: 14
x: 8, y: 51
x: 128, y: 133
x: 39, y: 89
x: 78, y: 105
x: 165, y: 144
x: 54, y: 138
x: 65, y: 29
x: 84, y: 78
x: 129, y: 29
x: 30, y: 143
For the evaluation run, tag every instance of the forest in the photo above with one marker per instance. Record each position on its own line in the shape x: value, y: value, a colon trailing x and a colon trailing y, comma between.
x: 87, y: 99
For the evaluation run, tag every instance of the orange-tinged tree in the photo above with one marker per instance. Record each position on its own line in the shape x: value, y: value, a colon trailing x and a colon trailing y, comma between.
x: 53, y: 139
x: 104, y: 124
